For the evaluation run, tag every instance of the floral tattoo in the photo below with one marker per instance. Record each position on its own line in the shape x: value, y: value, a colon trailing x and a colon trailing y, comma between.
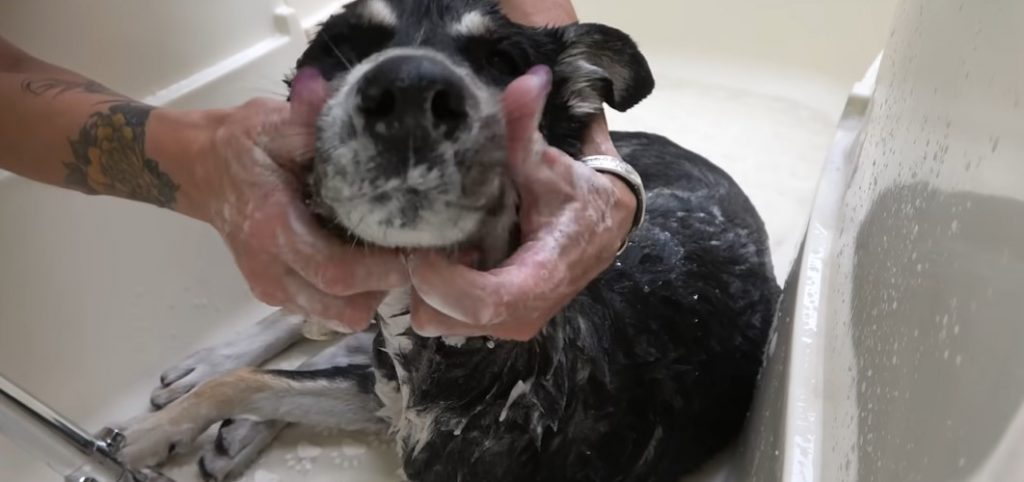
x: 110, y: 158
x: 109, y: 153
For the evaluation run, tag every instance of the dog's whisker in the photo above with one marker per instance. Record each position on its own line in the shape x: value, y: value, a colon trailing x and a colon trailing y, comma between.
x: 333, y: 47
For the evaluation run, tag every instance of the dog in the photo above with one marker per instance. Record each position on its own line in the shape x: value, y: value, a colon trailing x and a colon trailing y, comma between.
x: 646, y: 375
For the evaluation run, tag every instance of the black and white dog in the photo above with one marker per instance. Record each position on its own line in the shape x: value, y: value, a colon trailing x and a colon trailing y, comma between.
x: 647, y: 374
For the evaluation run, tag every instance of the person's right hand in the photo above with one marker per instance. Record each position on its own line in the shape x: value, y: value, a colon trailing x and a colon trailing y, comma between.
x: 250, y: 187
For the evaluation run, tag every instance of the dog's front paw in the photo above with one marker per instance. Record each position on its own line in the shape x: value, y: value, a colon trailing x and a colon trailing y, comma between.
x: 239, y: 443
x: 199, y: 367
x: 153, y: 438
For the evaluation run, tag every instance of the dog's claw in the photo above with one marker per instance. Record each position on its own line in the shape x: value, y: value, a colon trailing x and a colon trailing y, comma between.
x: 174, y: 374
x: 164, y: 396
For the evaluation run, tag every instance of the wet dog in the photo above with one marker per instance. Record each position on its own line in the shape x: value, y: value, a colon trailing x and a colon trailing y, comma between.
x: 644, y: 376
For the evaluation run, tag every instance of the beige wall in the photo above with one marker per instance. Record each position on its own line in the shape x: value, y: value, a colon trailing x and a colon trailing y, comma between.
x: 142, y: 46
x: 145, y: 46
x: 834, y: 37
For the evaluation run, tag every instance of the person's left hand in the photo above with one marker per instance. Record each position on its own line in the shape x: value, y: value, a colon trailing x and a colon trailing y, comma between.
x: 573, y: 221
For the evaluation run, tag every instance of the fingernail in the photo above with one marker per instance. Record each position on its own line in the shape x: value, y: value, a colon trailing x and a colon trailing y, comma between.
x: 541, y: 74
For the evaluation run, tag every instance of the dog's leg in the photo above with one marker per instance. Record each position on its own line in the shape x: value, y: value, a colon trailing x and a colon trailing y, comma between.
x: 257, y: 344
x: 341, y: 396
x: 240, y: 442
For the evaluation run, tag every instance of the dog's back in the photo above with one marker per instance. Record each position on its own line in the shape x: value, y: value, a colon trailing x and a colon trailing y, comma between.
x: 646, y: 375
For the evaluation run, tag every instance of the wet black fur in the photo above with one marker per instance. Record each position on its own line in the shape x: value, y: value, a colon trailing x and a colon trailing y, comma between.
x: 647, y: 373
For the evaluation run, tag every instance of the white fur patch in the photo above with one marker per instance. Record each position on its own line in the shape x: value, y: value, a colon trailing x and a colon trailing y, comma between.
x: 391, y: 399
x: 517, y: 391
x: 580, y: 96
x: 454, y: 341
x: 379, y: 12
x: 471, y: 24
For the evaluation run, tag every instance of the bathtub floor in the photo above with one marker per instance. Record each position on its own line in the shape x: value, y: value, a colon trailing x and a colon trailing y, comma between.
x: 771, y: 145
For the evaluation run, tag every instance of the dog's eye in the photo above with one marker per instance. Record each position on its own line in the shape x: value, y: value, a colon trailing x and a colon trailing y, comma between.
x: 503, y: 62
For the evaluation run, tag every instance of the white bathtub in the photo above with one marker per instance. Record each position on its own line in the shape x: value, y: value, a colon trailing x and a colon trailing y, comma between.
x: 98, y: 296
x: 900, y: 345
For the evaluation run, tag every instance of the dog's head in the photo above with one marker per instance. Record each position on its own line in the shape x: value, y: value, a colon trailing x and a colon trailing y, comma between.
x: 410, y: 149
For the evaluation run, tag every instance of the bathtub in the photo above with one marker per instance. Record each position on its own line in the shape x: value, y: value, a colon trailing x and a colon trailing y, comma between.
x: 899, y: 342
x: 98, y: 296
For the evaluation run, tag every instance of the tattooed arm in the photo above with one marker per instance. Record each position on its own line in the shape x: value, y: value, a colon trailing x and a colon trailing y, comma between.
x: 60, y: 128
x: 236, y: 169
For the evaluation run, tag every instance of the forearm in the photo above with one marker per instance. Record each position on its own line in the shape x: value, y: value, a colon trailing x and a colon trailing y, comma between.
x: 61, y: 128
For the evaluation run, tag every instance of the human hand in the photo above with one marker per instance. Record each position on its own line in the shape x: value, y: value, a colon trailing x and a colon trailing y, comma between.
x: 573, y: 221
x: 539, y: 13
x: 250, y: 189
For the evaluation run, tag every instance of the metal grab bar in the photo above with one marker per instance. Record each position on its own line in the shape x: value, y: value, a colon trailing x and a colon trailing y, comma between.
x: 67, y: 449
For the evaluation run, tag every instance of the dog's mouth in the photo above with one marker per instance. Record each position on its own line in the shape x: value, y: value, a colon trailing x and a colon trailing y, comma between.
x: 410, y: 152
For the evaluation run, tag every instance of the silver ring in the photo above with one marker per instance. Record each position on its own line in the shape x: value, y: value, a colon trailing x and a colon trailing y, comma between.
x: 625, y: 172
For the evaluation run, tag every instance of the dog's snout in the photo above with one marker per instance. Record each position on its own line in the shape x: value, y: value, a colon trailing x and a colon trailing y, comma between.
x: 406, y: 94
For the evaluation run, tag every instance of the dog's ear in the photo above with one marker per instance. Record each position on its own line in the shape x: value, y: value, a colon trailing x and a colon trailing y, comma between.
x: 599, y: 65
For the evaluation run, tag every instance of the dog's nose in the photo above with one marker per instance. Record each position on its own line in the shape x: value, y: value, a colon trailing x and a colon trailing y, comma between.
x: 410, y: 95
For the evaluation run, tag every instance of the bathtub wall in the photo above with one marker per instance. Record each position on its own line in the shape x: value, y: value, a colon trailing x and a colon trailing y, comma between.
x: 901, y: 344
x: 834, y: 40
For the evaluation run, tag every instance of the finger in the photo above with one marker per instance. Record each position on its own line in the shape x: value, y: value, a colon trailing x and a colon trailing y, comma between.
x: 362, y: 308
x: 431, y: 323
x: 458, y: 291
x: 484, y: 298
x: 523, y: 103
x: 520, y: 330
x: 539, y: 14
x: 352, y: 313
x: 308, y: 95
x: 333, y: 266
x: 597, y: 140
x: 293, y: 140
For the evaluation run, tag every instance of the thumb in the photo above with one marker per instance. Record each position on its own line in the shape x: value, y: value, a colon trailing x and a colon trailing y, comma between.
x: 293, y: 144
x: 309, y: 93
x: 523, y: 104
